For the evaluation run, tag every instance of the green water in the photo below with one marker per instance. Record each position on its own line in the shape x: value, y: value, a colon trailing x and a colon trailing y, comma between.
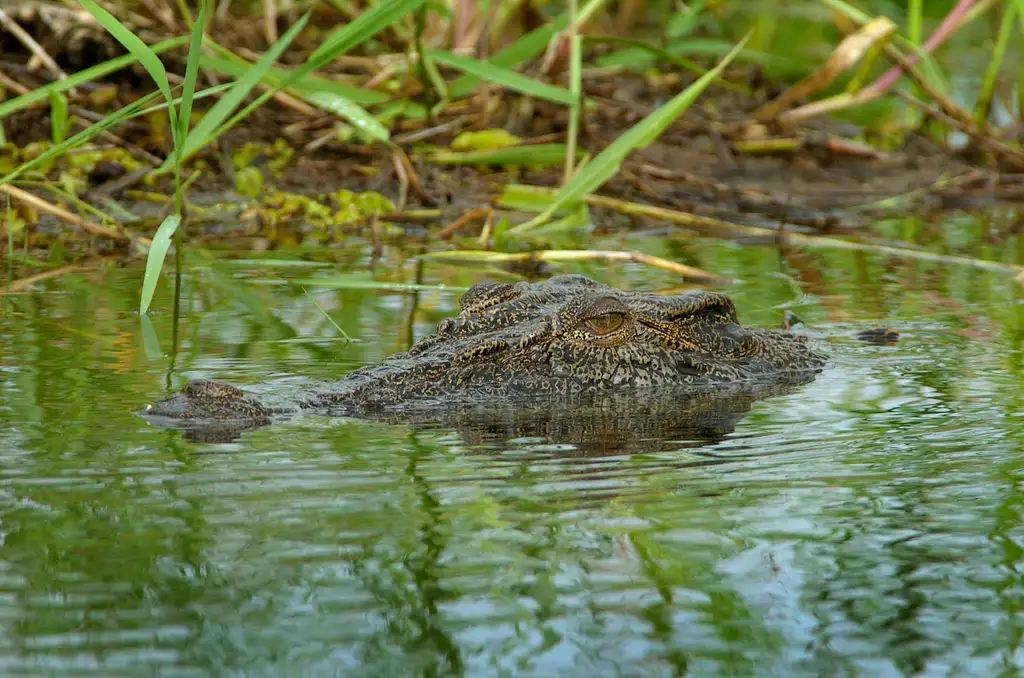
x: 869, y: 524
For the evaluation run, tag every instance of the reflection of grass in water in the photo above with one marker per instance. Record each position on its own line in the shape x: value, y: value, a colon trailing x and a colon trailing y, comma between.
x: 330, y: 536
x: 327, y: 316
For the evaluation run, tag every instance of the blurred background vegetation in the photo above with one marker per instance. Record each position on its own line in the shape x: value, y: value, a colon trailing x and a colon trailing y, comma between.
x: 124, y: 120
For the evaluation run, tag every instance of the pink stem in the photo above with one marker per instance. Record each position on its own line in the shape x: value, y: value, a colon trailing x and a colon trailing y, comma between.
x: 945, y: 29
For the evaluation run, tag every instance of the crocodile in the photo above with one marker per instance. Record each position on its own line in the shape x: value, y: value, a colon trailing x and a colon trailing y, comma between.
x: 568, y: 340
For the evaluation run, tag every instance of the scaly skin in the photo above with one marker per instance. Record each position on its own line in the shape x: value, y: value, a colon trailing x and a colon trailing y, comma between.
x: 566, y: 337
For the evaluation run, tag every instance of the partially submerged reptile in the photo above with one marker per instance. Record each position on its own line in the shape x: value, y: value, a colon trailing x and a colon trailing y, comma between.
x: 568, y: 339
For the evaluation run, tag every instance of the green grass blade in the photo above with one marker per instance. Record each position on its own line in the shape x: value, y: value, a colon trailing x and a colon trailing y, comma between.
x: 366, y: 25
x: 150, y: 343
x: 684, y: 21
x: 205, y: 131
x: 522, y: 49
x: 326, y: 315
x: 914, y: 14
x: 354, y: 93
x: 1020, y: 70
x: 155, y: 260
x: 932, y: 73
x: 716, y: 48
x: 235, y: 67
x: 59, y: 123
x: 139, y: 49
x: 350, y: 35
x: 80, y: 138
x: 362, y: 283
x: 537, y: 154
x: 188, y: 91
x: 641, y: 55
x: 576, y: 92
x: 159, y: 106
x: 526, y: 198
x: 363, y: 121
x: 434, y: 77
x: 76, y: 79
x: 849, y: 10
x: 607, y: 162
x: 132, y: 110
x: 504, y: 77
x: 274, y: 263
x: 929, y: 67
x: 988, y: 83
x: 340, y: 41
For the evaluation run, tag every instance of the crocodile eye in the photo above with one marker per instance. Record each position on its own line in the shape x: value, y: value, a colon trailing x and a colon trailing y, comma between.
x: 606, y: 323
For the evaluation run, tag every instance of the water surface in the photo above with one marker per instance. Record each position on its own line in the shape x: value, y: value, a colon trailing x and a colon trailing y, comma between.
x: 869, y: 523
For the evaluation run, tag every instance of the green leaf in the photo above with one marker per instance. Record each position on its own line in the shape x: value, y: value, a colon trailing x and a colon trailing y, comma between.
x: 849, y: 10
x: 365, y: 26
x: 362, y: 28
x: 155, y: 260
x: 1020, y: 71
x: 538, y: 154
x: 59, y: 123
x: 236, y: 67
x: 712, y: 47
x: 568, y: 232
x: 326, y: 315
x: 80, y: 138
x: 933, y: 74
x: 639, y: 54
x: 683, y: 22
x: 76, y: 79
x: 929, y: 67
x: 361, y: 283
x: 995, y: 64
x: 604, y: 166
x: 274, y: 263
x: 504, y: 77
x: 526, y: 198
x: 195, y: 49
x: 133, y: 110
x: 368, y: 125
x: 523, y: 49
x: 150, y: 343
x: 472, y: 256
x: 139, y: 49
x: 484, y: 140
x: 576, y: 220
x: 204, y: 132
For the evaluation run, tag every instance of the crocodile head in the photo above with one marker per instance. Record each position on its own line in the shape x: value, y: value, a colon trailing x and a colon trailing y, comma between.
x: 569, y: 336
x: 565, y: 337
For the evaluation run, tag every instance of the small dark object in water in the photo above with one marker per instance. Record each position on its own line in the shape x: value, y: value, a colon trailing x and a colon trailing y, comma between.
x: 881, y: 336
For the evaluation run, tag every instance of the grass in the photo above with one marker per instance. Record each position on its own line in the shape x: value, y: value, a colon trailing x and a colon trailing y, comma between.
x: 418, y: 76
x: 588, y: 179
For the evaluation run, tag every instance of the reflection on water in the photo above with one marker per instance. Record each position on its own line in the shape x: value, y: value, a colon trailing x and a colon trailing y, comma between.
x: 867, y: 523
x: 627, y: 422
